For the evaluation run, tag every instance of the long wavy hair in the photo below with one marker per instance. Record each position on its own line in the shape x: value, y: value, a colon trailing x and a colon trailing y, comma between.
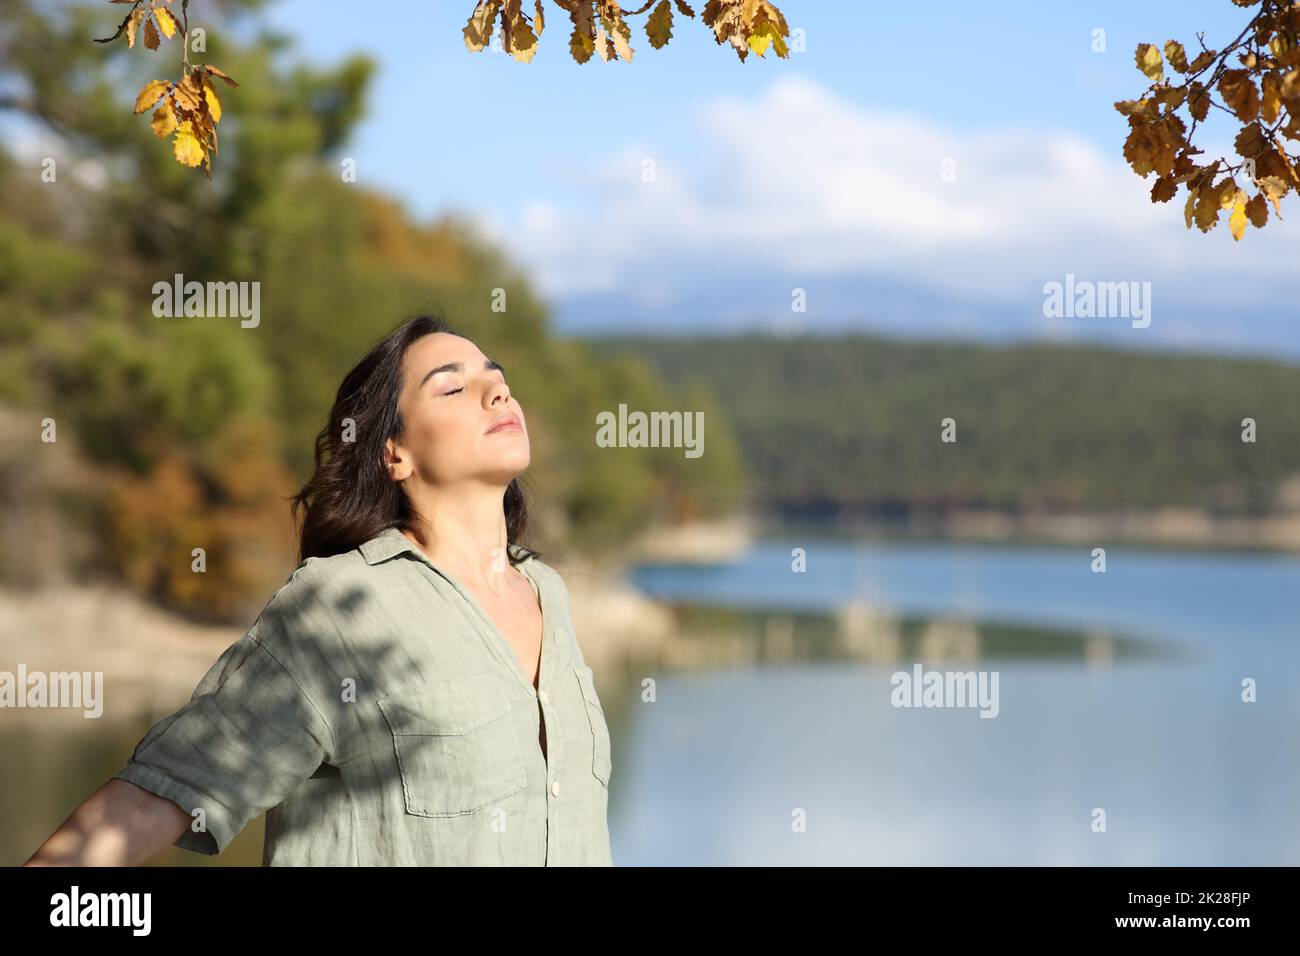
x: 350, y: 498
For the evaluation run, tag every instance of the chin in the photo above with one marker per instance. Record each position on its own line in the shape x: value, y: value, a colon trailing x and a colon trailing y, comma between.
x: 511, y: 466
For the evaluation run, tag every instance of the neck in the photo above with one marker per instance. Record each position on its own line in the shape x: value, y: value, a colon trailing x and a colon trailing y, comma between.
x: 465, y: 532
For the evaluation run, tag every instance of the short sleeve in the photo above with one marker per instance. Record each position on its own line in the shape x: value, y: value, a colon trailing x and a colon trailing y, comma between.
x: 248, y: 736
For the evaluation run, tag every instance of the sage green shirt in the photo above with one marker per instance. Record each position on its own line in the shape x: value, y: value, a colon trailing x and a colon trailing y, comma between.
x: 379, y: 717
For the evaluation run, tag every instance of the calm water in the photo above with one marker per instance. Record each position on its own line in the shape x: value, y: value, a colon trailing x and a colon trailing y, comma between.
x: 1186, y: 772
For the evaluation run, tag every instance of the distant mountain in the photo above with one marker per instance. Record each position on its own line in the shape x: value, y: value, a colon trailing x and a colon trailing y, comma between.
x: 1184, y: 318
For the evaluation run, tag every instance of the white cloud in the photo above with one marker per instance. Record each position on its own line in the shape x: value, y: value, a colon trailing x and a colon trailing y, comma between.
x: 800, y: 180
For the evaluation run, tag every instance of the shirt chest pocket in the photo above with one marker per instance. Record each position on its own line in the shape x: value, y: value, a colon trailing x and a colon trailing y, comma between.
x: 601, y: 757
x: 456, y: 744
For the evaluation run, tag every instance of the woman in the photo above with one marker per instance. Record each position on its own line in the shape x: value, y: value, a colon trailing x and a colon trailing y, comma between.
x: 414, y: 694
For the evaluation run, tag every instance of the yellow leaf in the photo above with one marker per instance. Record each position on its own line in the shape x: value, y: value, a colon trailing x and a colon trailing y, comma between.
x: 132, y: 24
x: 763, y: 36
x: 539, y: 21
x: 150, y: 94
x: 166, y: 22
x: 164, y: 120
x: 186, y: 146
x: 1176, y: 55
x: 523, y: 42
x: 187, y: 93
x: 478, y: 30
x: 214, y: 104
x: 1274, y: 188
x: 1237, y: 221
x: 1149, y: 62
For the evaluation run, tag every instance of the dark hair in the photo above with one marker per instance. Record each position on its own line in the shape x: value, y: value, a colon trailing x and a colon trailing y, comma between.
x: 350, y: 498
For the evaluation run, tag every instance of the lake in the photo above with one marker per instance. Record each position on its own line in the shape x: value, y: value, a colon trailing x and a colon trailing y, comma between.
x: 809, y: 762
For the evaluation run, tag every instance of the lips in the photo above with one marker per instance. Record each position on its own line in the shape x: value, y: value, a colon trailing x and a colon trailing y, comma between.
x: 505, y: 420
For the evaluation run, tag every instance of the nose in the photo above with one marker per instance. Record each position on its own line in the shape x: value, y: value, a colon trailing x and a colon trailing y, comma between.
x: 498, y: 390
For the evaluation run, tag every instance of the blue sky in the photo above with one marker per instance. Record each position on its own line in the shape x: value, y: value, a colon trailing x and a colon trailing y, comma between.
x: 819, y: 172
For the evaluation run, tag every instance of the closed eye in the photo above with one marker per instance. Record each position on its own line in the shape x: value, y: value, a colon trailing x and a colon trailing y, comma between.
x: 453, y: 391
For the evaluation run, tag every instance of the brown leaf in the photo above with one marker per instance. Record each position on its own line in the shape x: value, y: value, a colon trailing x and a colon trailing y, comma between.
x: 1257, y: 211
x: 1164, y: 189
x: 209, y: 68
x: 1239, y: 93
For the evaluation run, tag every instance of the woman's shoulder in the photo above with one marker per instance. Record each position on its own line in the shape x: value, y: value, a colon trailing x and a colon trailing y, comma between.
x: 305, y: 602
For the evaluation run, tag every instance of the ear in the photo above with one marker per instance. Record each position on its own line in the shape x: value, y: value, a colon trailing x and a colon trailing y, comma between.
x: 396, y: 462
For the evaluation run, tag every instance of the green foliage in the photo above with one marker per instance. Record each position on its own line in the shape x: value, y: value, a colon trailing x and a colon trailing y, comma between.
x: 853, y: 423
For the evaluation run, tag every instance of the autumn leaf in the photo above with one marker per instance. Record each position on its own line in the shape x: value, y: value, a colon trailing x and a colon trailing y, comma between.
x: 187, y: 94
x: 604, y: 46
x: 1176, y: 55
x: 164, y: 120
x: 520, y: 41
x: 1149, y: 62
x: 214, y: 104
x: 150, y: 35
x: 186, y: 146
x: 1250, y: 141
x: 1237, y: 221
x: 1239, y: 92
x: 764, y: 35
x: 213, y: 71
x: 659, y: 27
x: 478, y: 31
x: 150, y: 94
x: 1270, y: 107
x: 1164, y: 189
x: 166, y: 22
x: 1274, y: 188
x: 611, y: 18
x: 1257, y: 211
x: 132, y: 24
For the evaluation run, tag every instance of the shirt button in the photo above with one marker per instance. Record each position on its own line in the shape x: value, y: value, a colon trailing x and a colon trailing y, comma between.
x: 555, y: 788
x: 542, y: 696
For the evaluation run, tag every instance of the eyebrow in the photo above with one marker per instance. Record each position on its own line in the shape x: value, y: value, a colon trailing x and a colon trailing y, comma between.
x: 489, y: 365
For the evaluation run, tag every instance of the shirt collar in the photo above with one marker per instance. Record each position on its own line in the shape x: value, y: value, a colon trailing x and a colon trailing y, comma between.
x: 390, y: 542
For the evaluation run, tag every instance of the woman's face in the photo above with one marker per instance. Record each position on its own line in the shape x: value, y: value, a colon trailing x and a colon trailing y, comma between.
x: 452, y: 396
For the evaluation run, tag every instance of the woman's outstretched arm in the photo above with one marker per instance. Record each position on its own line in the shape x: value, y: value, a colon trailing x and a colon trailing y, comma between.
x: 119, y: 824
